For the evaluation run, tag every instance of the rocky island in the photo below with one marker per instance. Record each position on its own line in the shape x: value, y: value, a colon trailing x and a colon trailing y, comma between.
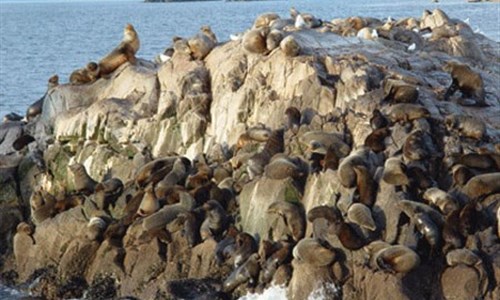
x: 351, y: 159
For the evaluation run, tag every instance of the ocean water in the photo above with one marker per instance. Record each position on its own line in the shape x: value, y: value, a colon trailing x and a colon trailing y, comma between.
x: 42, y: 38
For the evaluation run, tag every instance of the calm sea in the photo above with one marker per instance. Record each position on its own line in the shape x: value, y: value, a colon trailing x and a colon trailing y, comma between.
x: 41, y: 38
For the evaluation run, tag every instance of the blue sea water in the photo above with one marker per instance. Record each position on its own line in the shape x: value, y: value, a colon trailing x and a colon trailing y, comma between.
x: 42, y: 38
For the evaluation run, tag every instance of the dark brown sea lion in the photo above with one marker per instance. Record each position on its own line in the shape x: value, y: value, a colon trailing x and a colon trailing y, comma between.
x: 397, y: 258
x: 376, y: 139
x: 378, y: 120
x: 36, y: 108
x: 398, y: 91
x: 85, y: 75
x: 466, y: 80
x: 366, y: 185
x: 293, y: 116
x: 406, y: 112
x: 124, y: 52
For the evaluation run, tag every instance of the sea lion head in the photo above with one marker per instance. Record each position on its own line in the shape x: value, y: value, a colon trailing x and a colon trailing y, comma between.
x: 92, y: 66
x: 129, y: 33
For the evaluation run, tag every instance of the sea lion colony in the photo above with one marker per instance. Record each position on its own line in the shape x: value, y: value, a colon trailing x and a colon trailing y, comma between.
x: 443, y: 198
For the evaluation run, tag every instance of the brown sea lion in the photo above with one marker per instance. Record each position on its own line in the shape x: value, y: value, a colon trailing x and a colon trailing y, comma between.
x: 36, y: 108
x: 255, y: 40
x: 265, y: 20
x: 366, y: 185
x: 395, y: 172
x: 85, y: 75
x: 290, y: 46
x: 293, y: 216
x: 124, y: 52
x: 107, y: 192
x: 466, y: 80
x: 274, y: 39
x: 361, y: 215
x: 311, y: 251
x: 397, y: 258
x: 406, y: 112
x: 398, y: 91
x: 293, y: 116
x: 245, y: 246
x: 378, y: 120
x: 82, y: 181
x: 376, y: 139
x: 154, y: 171
x: 482, y: 185
x: 466, y: 126
x: 202, y: 43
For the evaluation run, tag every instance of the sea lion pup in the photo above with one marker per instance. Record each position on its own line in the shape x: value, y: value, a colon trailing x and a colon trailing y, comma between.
x: 274, y: 39
x: 83, y: 182
x: 248, y: 272
x: 313, y: 252
x: 466, y: 126
x: 293, y: 216
x: 216, y: 220
x: 124, y: 52
x: 360, y: 214
x: 265, y: 20
x: 107, y: 192
x: 443, y: 200
x: 290, y: 46
x: 255, y: 40
x: 293, y: 116
x: 154, y: 171
x: 245, y: 246
x: 376, y: 139
x: 397, y: 259
x: 482, y: 185
x: 398, y: 91
x: 466, y: 80
x: 406, y: 112
x: 201, y: 44
x: 85, y: 75
x: 378, y: 120
x: 367, y: 187
x: 36, y: 108
x: 395, y: 172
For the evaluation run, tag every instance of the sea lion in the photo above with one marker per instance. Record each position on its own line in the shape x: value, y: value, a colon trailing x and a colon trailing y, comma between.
x: 247, y: 272
x: 271, y: 264
x: 461, y: 175
x: 255, y: 40
x: 293, y: 116
x: 12, y: 117
x: 376, y: 139
x: 317, y: 139
x: 124, y: 52
x: 83, y: 182
x: 360, y: 214
x: 347, y: 175
x: 201, y: 44
x: 378, y: 120
x: 259, y: 133
x: 156, y: 217
x: 95, y: 228
x: 216, y: 220
x: 466, y: 80
x: 311, y: 251
x: 323, y: 212
x: 179, y: 172
x: 265, y: 20
x: 466, y: 126
x: 482, y: 185
x: 398, y: 91
x: 307, y: 21
x: 411, y: 208
x: 293, y: 216
x: 290, y: 46
x: 348, y: 237
x: 88, y: 74
x: 366, y: 185
x: 274, y: 39
x: 417, y: 146
x: 149, y: 203
x: 406, y: 112
x: 42, y: 206
x: 181, y: 46
x: 441, y: 199
x: 428, y: 229
x: 36, y: 108
x: 274, y: 145
x: 395, y: 172
x: 397, y: 258
x: 245, y: 246
x: 154, y: 171
x: 107, y: 192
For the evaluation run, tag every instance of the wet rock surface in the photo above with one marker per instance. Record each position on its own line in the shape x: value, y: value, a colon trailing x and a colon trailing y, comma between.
x: 207, y: 177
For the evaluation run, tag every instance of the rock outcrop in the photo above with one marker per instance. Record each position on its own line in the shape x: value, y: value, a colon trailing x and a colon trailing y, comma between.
x: 216, y: 168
